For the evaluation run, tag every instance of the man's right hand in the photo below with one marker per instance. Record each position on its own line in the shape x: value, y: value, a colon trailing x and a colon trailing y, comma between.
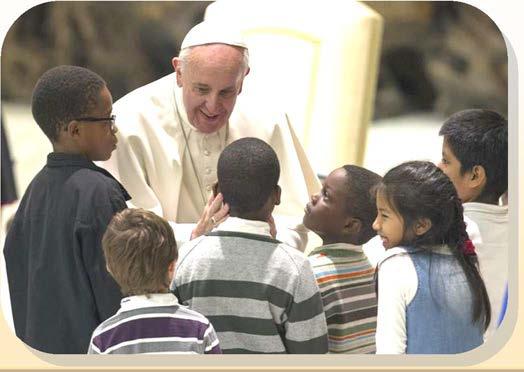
x: 214, y: 214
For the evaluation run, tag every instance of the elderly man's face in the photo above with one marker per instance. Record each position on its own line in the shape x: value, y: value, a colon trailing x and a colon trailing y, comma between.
x: 211, y: 81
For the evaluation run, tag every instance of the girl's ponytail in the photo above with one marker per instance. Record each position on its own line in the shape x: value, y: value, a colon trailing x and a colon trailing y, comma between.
x: 464, y: 251
x: 457, y: 235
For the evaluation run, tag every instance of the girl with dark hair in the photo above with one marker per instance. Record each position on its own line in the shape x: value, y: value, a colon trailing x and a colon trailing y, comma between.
x: 431, y: 297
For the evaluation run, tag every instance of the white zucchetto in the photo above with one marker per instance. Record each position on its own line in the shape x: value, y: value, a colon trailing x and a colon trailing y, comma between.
x: 213, y: 32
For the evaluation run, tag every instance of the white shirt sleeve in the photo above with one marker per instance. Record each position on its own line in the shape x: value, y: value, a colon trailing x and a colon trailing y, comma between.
x: 374, y: 250
x: 182, y: 232
x: 291, y: 231
x: 397, y: 285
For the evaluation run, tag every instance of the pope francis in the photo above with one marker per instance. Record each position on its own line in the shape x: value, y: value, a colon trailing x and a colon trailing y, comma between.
x: 171, y: 133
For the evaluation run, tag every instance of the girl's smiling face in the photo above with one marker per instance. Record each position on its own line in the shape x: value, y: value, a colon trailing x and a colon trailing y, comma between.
x: 388, y: 224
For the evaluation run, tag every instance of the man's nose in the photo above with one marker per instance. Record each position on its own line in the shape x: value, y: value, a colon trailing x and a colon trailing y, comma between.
x: 212, y: 103
x: 314, y: 199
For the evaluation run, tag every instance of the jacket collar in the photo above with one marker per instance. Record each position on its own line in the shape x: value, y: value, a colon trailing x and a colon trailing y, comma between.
x: 59, y: 159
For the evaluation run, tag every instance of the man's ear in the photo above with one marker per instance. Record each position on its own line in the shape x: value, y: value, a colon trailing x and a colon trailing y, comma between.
x: 242, y: 82
x: 422, y: 226
x: 352, y: 226
x: 177, y: 66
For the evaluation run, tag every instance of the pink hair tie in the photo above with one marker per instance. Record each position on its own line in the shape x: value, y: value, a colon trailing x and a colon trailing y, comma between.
x: 468, y: 249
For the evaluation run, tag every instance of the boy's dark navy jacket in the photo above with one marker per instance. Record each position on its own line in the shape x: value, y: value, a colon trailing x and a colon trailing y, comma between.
x: 60, y: 288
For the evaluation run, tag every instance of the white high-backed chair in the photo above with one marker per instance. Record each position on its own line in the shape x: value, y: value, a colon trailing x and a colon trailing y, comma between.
x: 318, y: 63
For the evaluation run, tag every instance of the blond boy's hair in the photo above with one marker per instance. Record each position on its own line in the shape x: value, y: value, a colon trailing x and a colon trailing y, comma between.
x: 139, y: 246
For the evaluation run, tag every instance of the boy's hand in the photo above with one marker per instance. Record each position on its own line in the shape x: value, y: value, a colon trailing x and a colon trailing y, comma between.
x: 272, y: 226
x: 214, y: 214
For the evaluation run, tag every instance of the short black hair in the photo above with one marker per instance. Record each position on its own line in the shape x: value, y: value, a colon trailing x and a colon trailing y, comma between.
x: 248, y: 171
x: 480, y: 137
x: 62, y: 94
x: 361, y: 198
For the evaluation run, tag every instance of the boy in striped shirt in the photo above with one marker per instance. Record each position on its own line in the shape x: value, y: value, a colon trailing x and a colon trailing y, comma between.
x: 140, y: 251
x: 342, y: 215
x: 260, y: 294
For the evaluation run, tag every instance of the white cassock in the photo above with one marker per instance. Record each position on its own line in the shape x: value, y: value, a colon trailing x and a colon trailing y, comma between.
x: 171, y: 176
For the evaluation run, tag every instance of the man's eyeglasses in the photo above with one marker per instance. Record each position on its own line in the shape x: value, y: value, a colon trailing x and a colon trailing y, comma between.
x: 111, y: 120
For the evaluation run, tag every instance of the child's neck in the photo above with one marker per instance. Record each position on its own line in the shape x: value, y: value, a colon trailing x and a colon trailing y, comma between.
x: 66, y: 148
x: 158, y: 291
x: 253, y: 216
x: 486, y: 200
x: 327, y: 240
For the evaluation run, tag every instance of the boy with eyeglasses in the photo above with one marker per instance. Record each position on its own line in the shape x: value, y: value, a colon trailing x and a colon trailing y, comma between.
x: 59, y: 286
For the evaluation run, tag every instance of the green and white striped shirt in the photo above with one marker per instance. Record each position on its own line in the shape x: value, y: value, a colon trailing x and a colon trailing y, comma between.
x: 260, y: 295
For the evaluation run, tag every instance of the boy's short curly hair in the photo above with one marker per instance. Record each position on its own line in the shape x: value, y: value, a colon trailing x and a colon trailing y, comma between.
x: 139, y: 246
x: 62, y: 94
x: 480, y: 137
x: 248, y: 171
x: 361, y: 198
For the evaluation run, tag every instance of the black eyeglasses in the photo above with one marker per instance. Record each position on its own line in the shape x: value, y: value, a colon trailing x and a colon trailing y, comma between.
x: 111, y: 120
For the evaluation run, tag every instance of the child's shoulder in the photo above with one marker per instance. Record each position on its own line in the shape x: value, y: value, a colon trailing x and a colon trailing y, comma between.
x: 483, y: 211
x: 106, y: 324
x: 394, y: 256
x: 290, y: 256
x: 93, y: 193
x: 397, y: 267
x: 93, y: 181
x: 173, y: 309
x: 186, y: 312
x: 337, y: 252
x: 191, y: 249
x: 82, y: 186
x: 337, y: 249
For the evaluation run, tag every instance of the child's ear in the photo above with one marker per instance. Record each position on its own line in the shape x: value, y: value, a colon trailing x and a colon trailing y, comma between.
x: 477, y: 177
x: 73, y: 129
x: 216, y: 189
x: 353, y: 226
x: 422, y: 226
x: 171, y: 270
x: 278, y: 192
